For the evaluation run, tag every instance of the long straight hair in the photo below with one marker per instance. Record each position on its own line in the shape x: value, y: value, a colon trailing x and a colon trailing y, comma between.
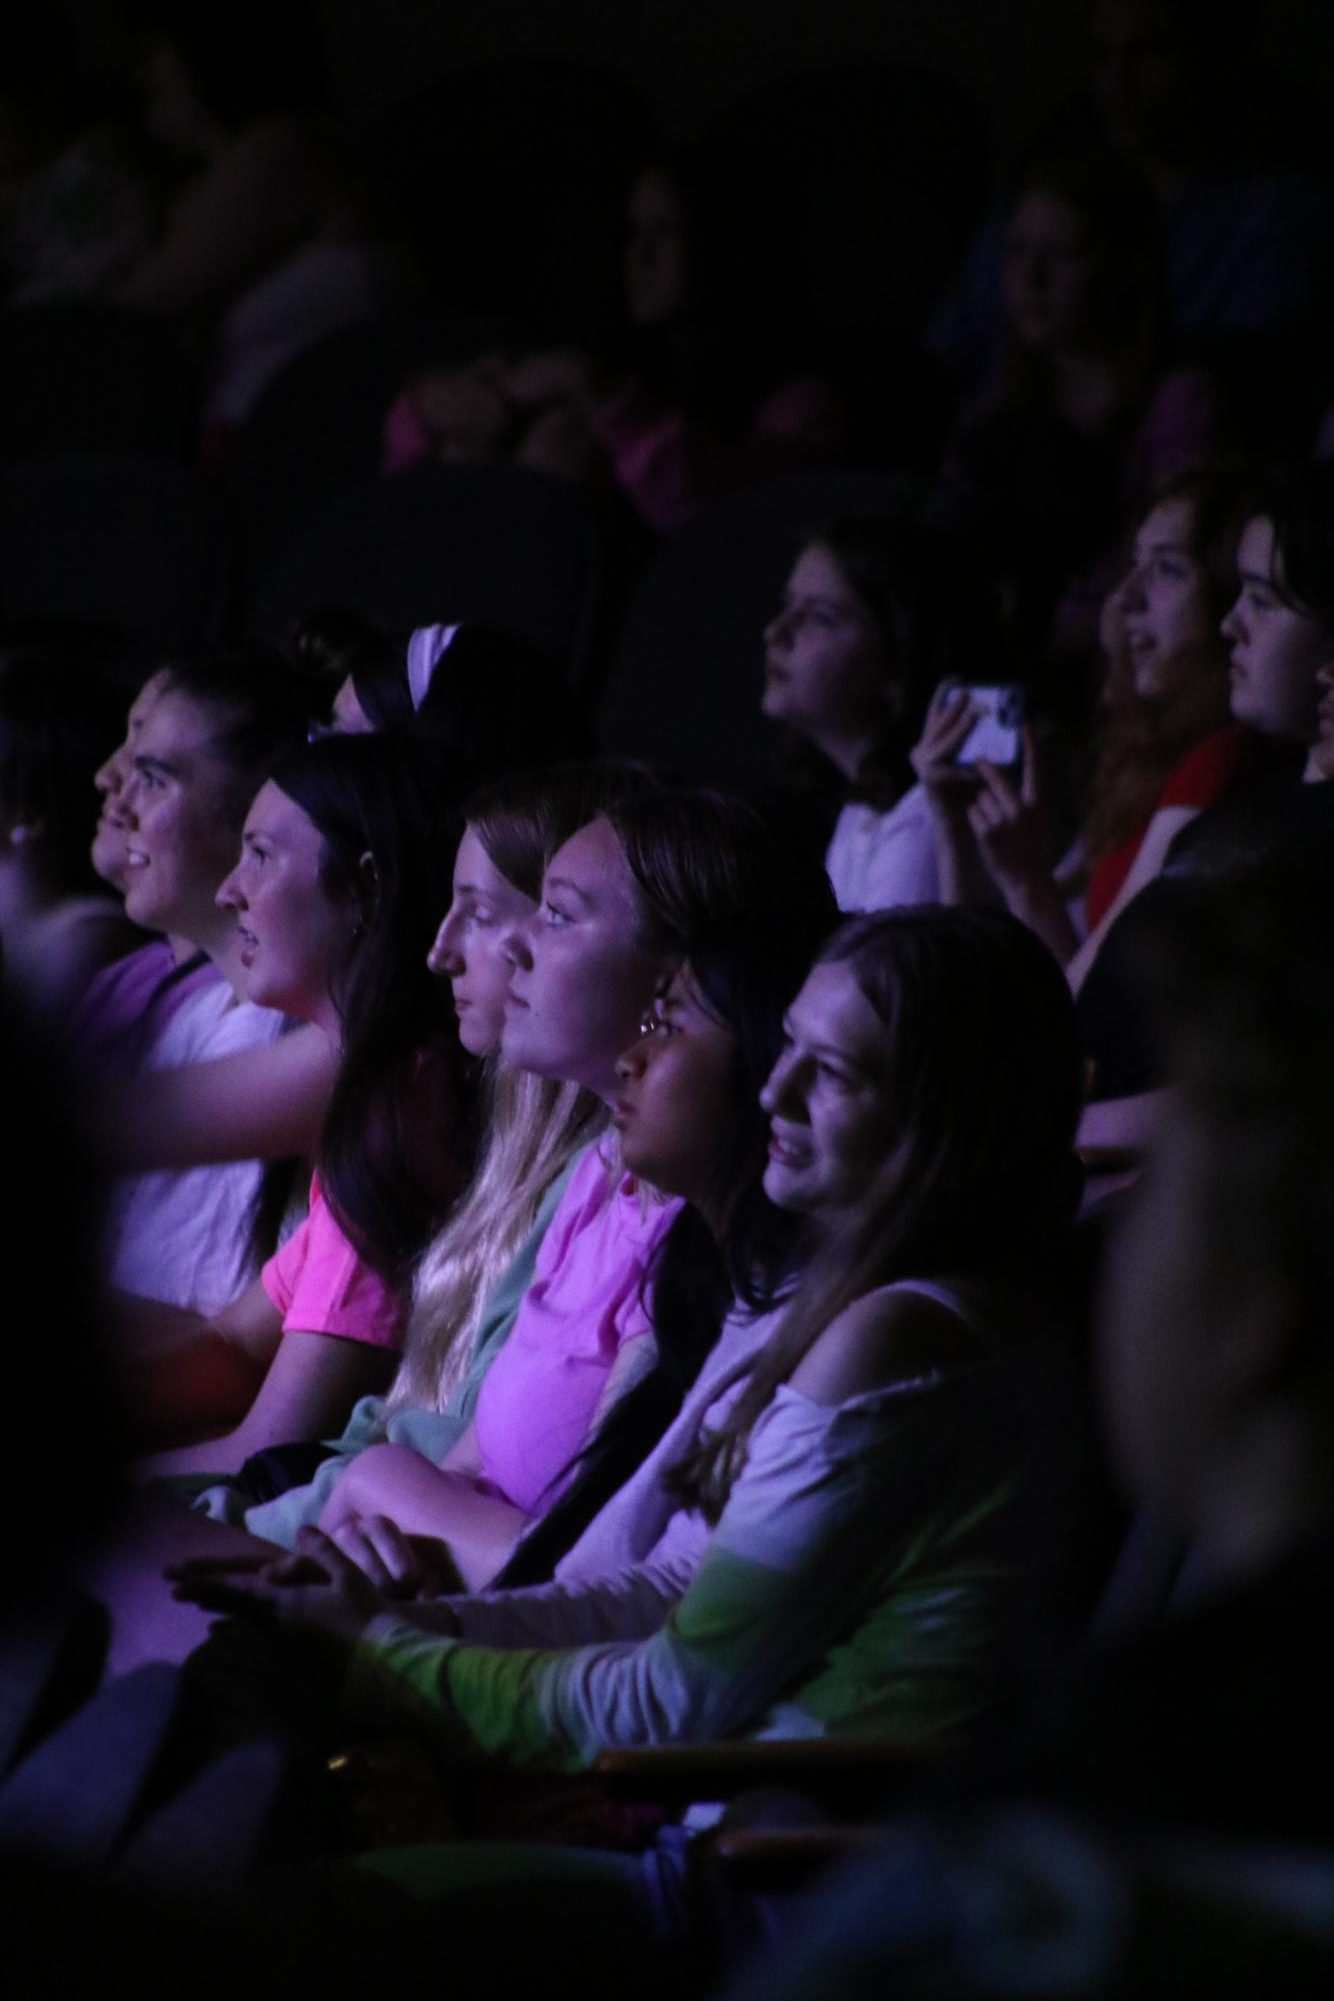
x: 981, y: 1062
x: 388, y: 829
x: 532, y: 1126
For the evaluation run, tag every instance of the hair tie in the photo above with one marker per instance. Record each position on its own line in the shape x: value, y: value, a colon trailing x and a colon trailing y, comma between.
x: 425, y: 647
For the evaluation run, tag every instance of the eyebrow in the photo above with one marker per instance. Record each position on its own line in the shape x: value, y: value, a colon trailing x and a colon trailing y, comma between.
x: 565, y: 882
x: 792, y: 1028
x: 822, y: 598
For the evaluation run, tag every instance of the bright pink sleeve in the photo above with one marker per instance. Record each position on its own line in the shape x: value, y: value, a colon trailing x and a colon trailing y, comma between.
x: 320, y: 1285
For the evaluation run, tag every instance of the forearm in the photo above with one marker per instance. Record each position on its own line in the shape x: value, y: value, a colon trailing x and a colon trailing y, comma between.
x: 1037, y: 902
x: 183, y: 1376
x: 479, y: 1529
x: 256, y: 1104
x: 962, y: 874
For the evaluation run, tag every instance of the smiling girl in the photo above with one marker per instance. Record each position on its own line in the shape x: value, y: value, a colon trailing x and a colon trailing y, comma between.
x: 337, y: 878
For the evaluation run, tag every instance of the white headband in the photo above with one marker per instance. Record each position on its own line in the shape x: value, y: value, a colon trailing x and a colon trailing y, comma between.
x: 425, y: 647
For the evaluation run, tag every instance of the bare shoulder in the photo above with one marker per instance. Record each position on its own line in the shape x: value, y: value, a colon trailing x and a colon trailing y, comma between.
x: 885, y: 1338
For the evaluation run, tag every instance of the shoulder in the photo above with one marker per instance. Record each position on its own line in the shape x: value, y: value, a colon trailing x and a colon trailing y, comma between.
x: 1202, y: 771
x: 890, y: 1336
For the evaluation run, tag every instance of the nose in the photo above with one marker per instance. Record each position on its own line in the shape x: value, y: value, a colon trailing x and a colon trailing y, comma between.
x: 519, y: 946
x: 230, y: 895
x: 110, y: 776
x: 444, y: 958
x: 1231, y: 628
x: 632, y: 1062
x: 775, y: 1090
x: 777, y: 633
x: 1132, y: 590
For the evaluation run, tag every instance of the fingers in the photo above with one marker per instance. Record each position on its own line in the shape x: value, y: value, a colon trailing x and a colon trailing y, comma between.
x: 366, y: 1544
x: 1030, y: 785
x: 235, y: 1565
x: 997, y: 787
x: 948, y: 721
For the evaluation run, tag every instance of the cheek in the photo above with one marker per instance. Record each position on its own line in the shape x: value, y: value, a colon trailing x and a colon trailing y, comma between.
x: 487, y: 969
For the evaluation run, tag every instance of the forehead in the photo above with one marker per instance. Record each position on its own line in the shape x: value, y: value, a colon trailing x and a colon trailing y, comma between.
x: 279, y: 816
x: 1170, y: 521
x: 832, y: 1010
x: 817, y: 573
x: 178, y: 729
x: 593, y: 860
x: 474, y: 869
x: 1255, y: 551
x: 147, y: 696
x: 348, y: 714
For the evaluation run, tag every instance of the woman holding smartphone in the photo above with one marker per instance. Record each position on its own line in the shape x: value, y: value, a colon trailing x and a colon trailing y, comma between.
x: 875, y: 613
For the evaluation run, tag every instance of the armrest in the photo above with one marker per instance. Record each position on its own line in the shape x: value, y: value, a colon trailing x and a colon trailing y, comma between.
x: 846, y: 1772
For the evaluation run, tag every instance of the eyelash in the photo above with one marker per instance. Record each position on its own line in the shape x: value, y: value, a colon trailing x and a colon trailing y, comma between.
x: 554, y: 917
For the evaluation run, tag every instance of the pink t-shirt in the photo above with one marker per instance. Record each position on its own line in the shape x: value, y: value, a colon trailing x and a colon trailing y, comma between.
x: 320, y: 1285
x: 539, y: 1396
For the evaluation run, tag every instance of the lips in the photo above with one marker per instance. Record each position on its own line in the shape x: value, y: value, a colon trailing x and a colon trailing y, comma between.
x: 622, y: 1112
x: 787, y: 1152
x: 249, y: 946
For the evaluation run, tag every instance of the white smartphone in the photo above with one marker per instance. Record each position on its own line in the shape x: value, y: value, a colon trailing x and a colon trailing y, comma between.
x: 995, y: 734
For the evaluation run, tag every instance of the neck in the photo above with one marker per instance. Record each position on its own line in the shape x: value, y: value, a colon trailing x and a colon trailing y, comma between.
x: 847, y: 751
x: 1270, y: 1492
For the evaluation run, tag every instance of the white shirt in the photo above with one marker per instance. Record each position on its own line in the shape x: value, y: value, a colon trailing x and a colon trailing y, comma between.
x: 876, y: 860
x: 180, y: 1234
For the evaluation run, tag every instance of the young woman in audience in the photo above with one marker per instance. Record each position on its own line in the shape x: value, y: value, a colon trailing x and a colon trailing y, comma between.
x: 852, y: 1504
x: 332, y: 904
x: 57, y: 723
x: 875, y: 613
x: 1280, y: 632
x: 1169, y: 746
x: 1084, y: 415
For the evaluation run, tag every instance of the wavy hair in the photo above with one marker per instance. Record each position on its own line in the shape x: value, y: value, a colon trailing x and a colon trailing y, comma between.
x: 1142, y: 739
x: 981, y: 1061
x: 533, y: 1126
x: 388, y: 829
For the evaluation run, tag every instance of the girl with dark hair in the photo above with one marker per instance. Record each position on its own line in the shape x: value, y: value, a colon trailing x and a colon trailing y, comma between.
x: 875, y: 613
x: 333, y: 901
x: 870, y: 1496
